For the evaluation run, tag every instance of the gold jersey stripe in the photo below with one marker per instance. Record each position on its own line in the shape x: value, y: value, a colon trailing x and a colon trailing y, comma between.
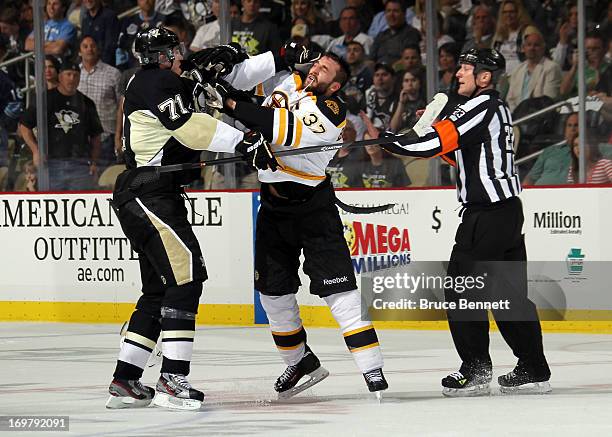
x: 359, y: 349
x: 289, y: 348
x: 282, y: 128
x: 295, y: 331
x: 358, y: 330
x: 178, y: 334
x: 297, y: 173
x: 298, y: 133
x: 137, y: 338
x: 179, y: 256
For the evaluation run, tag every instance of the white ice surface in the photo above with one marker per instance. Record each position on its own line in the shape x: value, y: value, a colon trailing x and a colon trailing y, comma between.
x: 64, y: 369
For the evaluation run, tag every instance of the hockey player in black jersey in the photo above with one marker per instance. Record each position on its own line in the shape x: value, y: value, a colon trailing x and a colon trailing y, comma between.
x: 477, y: 138
x: 161, y: 127
x: 298, y: 214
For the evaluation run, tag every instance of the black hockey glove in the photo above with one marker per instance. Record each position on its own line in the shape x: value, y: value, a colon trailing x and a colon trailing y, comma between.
x: 220, y: 91
x: 257, y: 152
x: 296, y: 56
x: 389, y: 147
x: 216, y: 61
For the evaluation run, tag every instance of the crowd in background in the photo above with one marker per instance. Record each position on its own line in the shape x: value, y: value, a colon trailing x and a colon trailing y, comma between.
x: 89, y: 60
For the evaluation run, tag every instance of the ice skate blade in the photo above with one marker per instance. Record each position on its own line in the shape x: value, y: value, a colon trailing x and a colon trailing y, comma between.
x: 475, y: 390
x: 379, y: 396
x: 313, y: 378
x: 119, y: 402
x: 536, y: 388
x: 164, y: 400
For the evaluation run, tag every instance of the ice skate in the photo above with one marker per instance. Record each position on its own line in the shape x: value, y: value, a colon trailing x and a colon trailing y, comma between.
x: 129, y: 394
x: 174, y: 391
x: 520, y: 381
x: 376, y: 382
x: 309, y: 366
x: 471, y: 384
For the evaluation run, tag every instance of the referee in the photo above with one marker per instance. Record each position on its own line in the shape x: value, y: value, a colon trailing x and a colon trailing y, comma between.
x: 477, y: 139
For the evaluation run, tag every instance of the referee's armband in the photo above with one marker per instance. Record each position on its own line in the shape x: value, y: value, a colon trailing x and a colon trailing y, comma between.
x: 449, y: 137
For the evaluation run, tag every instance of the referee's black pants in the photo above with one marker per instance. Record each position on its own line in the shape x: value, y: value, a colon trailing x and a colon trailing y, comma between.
x: 489, y: 243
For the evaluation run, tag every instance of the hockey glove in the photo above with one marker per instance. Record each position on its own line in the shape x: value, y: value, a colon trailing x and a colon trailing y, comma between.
x: 217, y: 61
x: 217, y: 93
x: 297, y: 56
x: 257, y: 152
x: 396, y: 147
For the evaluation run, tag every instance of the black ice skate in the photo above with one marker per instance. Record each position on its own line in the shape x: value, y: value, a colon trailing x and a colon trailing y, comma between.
x: 458, y: 384
x: 376, y: 382
x: 174, y: 391
x: 521, y: 381
x: 309, y: 366
x: 129, y: 394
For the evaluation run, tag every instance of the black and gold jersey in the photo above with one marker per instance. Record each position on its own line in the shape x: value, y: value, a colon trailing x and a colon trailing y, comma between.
x: 161, y: 126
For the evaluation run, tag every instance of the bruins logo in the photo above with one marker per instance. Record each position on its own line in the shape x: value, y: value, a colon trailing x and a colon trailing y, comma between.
x: 279, y: 99
x: 333, y: 106
x: 349, y: 235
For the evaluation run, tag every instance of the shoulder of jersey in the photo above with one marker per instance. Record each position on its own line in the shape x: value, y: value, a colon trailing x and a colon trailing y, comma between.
x: 333, y: 107
x: 156, y: 78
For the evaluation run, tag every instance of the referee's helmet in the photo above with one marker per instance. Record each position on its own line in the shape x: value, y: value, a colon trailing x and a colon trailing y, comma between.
x: 485, y: 60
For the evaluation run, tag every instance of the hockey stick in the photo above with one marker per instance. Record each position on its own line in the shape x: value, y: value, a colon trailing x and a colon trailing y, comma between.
x: 149, y: 174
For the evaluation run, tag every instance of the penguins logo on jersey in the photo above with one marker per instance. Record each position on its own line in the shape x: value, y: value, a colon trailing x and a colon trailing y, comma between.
x: 67, y: 119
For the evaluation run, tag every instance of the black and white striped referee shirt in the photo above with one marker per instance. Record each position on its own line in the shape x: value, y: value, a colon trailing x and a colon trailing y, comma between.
x: 477, y: 138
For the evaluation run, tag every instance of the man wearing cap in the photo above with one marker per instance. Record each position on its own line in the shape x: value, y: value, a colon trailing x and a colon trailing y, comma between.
x: 380, y: 98
x: 74, y: 130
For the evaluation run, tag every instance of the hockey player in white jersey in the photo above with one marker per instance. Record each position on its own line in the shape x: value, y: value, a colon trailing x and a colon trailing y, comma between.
x: 298, y: 213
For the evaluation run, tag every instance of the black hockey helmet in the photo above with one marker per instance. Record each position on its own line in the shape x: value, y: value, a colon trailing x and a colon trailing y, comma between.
x: 153, y: 42
x: 485, y: 60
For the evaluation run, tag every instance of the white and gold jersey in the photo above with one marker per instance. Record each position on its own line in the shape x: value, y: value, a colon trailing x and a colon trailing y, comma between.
x: 300, y: 119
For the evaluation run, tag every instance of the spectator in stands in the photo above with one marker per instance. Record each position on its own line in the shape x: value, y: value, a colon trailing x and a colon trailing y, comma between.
x: 441, y: 37
x: 379, y: 22
x: 147, y: 17
x: 307, y: 10
x: 552, y: 166
x: 508, y: 39
x: 27, y: 181
x: 301, y: 35
x: 411, y: 57
x: 380, y: 169
x: 568, y: 34
x: 254, y: 33
x: 351, y: 31
x: 453, y: 22
x: 52, y: 66
x: 10, y: 107
x: 209, y: 34
x: 595, y: 47
x: 344, y: 168
x: 448, y: 56
x: 361, y: 72
x: 411, y: 99
x: 598, y: 170
x: 100, y: 82
x: 482, y: 29
x: 73, y: 133
x: 380, y: 98
x: 9, y: 26
x: 182, y: 28
x: 388, y: 45
x: 60, y: 35
x: 536, y: 76
x: 102, y: 25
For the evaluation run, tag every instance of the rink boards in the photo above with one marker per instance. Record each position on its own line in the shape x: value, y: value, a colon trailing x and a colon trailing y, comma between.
x: 66, y: 258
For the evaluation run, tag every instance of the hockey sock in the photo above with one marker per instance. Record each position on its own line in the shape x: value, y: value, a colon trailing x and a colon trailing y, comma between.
x: 140, y: 340
x: 359, y: 335
x: 286, y: 325
x: 178, y: 332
